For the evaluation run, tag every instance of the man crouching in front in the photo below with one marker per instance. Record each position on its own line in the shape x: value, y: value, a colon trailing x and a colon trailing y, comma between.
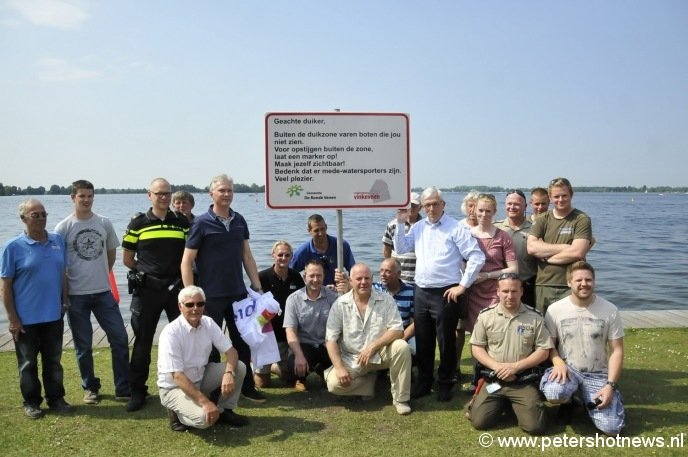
x: 186, y: 379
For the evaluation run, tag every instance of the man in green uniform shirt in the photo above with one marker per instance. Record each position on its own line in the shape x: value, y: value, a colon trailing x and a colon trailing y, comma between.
x: 509, y: 340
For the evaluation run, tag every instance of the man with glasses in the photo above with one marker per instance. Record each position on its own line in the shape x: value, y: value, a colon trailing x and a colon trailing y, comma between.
x: 441, y: 245
x: 35, y: 298
x: 509, y: 341
x: 282, y: 281
x: 153, y: 246
x: 408, y: 259
x: 518, y: 226
x: 91, y: 244
x: 186, y: 379
x: 322, y: 247
x: 219, y: 245
x: 558, y: 238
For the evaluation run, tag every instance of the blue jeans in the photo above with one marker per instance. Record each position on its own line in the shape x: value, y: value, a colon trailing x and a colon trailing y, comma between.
x: 44, y: 339
x: 106, y: 312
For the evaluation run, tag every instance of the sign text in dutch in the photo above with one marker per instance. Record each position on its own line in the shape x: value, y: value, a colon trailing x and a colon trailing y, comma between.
x: 337, y: 160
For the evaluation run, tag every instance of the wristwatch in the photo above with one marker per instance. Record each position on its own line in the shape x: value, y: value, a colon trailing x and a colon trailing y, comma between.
x: 614, y: 385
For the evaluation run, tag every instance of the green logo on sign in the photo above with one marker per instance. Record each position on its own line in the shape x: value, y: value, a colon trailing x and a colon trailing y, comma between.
x: 294, y: 190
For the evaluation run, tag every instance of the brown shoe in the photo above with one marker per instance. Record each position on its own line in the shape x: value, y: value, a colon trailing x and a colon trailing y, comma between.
x: 262, y: 380
x: 300, y: 386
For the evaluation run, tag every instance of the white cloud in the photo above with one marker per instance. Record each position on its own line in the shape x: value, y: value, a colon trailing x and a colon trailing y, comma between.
x: 52, y: 13
x: 59, y: 70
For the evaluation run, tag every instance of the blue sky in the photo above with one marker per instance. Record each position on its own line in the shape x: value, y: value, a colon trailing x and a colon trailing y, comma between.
x: 509, y: 93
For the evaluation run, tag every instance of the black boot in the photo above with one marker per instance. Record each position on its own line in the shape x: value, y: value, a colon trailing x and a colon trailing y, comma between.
x: 175, y: 423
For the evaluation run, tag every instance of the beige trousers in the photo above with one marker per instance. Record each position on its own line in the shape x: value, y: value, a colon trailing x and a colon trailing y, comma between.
x: 191, y: 413
x: 396, y: 357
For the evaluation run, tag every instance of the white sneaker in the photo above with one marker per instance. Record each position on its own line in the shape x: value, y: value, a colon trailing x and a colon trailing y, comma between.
x: 402, y: 407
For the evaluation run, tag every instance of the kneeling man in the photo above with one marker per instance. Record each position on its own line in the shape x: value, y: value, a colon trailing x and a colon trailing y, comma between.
x: 186, y: 379
x: 365, y: 334
x: 582, y: 325
x: 305, y: 323
x: 509, y: 339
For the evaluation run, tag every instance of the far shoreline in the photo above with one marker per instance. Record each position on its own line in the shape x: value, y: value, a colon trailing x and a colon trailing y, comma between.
x: 13, y: 191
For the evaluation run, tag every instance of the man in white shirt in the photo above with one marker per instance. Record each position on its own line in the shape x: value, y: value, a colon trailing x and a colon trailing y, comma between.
x: 186, y: 379
x: 588, y: 352
x: 441, y: 245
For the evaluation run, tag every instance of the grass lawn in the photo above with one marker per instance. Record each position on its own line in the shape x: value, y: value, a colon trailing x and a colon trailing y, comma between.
x: 654, y: 385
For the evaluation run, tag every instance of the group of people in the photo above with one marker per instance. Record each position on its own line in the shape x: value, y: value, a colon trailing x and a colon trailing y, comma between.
x: 439, y: 278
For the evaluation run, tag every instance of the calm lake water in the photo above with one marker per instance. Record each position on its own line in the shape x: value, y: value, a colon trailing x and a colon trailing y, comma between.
x: 640, y: 255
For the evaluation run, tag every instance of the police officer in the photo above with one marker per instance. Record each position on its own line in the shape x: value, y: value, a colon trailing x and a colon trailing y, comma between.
x: 153, y: 246
x: 509, y: 340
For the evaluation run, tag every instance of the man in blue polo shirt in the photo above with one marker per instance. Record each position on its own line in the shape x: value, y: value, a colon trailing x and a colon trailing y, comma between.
x: 218, y: 244
x: 321, y: 247
x: 34, y: 294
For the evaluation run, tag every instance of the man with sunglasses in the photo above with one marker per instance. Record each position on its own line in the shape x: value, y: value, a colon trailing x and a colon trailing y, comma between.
x: 559, y: 237
x: 152, y: 248
x: 518, y: 226
x: 188, y: 382
x: 509, y: 341
x: 35, y: 297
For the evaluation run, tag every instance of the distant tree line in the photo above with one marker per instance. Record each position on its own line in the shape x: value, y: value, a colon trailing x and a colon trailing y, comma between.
x: 526, y: 190
x: 62, y: 190
x: 256, y: 189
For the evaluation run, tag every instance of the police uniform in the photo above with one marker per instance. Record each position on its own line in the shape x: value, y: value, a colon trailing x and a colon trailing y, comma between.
x: 159, y: 246
x: 510, y: 339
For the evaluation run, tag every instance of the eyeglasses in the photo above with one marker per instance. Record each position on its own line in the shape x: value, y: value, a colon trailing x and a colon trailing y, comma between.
x: 162, y: 194
x: 517, y: 192
x: 487, y: 196
x: 191, y: 304
x: 559, y: 182
x: 507, y: 276
x: 325, y: 260
x: 432, y: 204
x: 38, y: 215
x: 283, y: 254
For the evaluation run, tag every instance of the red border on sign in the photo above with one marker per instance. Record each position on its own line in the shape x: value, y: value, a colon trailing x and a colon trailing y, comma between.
x: 267, y: 158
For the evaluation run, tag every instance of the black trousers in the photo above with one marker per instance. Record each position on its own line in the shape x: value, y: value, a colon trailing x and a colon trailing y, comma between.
x: 435, y: 319
x: 219, y: 309
x: 147, y: 305
x: 317, y: 357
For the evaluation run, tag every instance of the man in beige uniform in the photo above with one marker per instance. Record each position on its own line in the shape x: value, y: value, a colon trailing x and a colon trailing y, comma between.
x: 509, y: 340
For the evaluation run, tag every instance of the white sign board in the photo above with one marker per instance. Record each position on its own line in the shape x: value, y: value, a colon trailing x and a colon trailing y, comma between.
x: 337, y: 160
